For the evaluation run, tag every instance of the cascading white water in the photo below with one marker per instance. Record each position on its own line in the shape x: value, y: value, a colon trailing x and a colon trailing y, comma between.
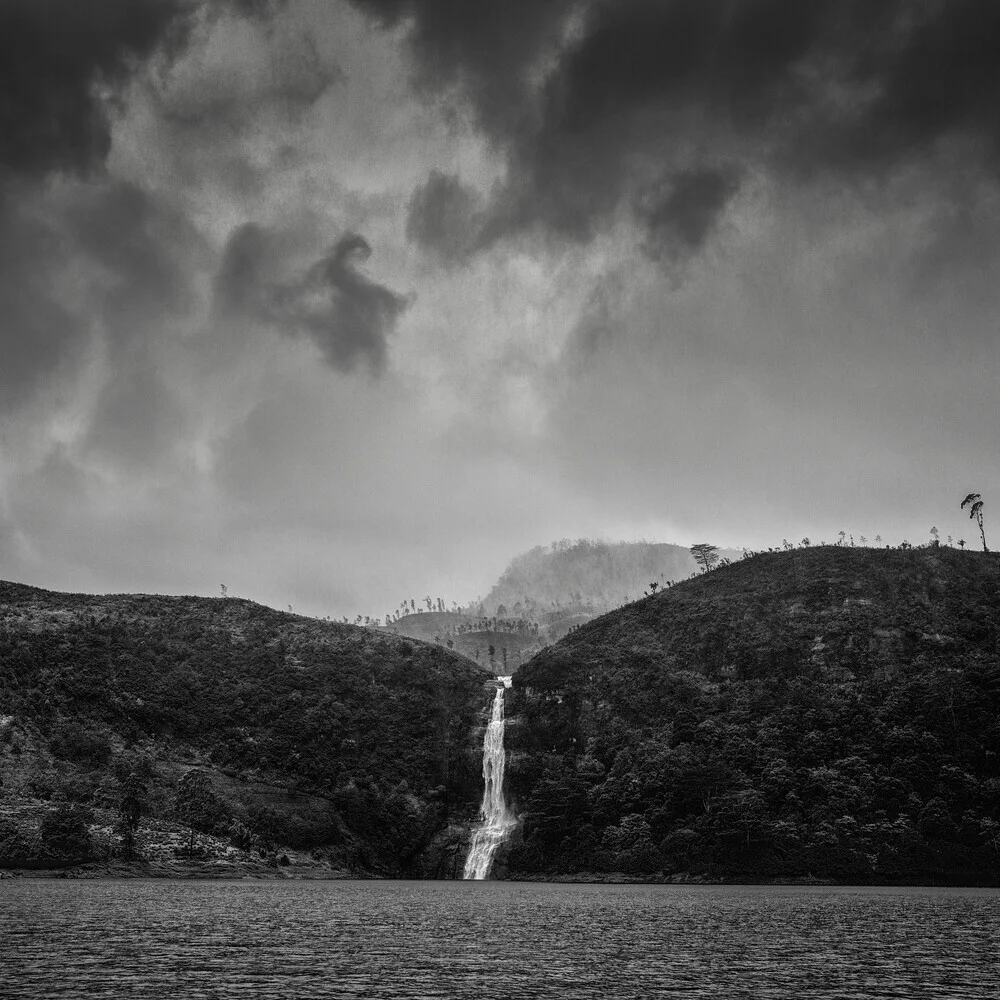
x: 496, y: 820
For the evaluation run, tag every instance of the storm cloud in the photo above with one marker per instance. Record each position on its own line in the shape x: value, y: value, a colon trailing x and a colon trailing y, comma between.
x: 445, y: 217
x: 598, y: 106
x: 89, y: 255
x: 56, y: 56
x: 679, y: 270
x: 38, y: 330
x: 348, y: 316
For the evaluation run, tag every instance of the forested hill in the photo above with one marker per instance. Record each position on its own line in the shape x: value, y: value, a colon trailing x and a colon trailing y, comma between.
x: 355, y: 745
x: 602, y: 575
x: 826, y: 712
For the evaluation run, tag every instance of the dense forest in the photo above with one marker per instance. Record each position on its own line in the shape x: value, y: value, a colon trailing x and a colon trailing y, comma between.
x: 829, y: 712
x: 268, y: 730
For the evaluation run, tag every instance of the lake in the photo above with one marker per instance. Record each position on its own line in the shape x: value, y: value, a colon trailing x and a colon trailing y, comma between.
x: 244, y: 939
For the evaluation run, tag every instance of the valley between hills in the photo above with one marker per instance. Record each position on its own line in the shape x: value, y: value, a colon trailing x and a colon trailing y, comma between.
x: 825, y: 714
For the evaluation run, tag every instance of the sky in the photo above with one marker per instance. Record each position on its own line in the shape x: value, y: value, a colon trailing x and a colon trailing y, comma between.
x: 337, y: 302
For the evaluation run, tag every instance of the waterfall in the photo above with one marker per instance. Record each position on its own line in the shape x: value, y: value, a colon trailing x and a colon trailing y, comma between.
x: 496, y: 820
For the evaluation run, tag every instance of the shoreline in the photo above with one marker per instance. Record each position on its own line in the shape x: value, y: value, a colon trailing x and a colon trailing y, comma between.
x: 208, y: 871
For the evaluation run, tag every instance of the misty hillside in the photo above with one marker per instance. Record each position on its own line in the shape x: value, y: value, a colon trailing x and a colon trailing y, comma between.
x: 357, y: 746
x: 586, y: 574
x: 826, y: 712
x: 543, y: 595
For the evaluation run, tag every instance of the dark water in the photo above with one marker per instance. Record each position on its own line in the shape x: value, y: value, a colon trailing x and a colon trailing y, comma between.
x: 486, y: 940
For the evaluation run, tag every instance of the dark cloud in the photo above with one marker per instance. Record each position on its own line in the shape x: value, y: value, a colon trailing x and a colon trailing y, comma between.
x: 444, y: 217
x: 137, y: 420
x: 680, y: 218
x: 490, y: 48
x: 55, y: 55
x: 62, y: 59
x: 145, y: 248
x: 80, y: 255
x: 104, y: 262
x: 242, y: 283
x: 349, y: 316
x: 259, y: 10
x: 37, y: 331
x: 636, y: 94
x: 598, y: 326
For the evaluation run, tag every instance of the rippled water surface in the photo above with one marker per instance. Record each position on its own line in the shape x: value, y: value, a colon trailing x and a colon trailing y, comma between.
x: 492, y: 939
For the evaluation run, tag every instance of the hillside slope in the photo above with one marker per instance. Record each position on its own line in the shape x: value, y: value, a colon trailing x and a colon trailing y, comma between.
x: 313, y: 735
x: 826, y: 712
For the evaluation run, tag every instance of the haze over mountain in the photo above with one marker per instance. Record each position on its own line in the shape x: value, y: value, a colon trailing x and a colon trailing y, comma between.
x: 542, y: 595
x: 586, y: 573
x: 328, y: 300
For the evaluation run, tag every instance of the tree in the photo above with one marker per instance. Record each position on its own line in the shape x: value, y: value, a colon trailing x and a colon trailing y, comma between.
x: 842, y: 534
x: 133, y: 790
x: 13, y: 845
x: 935, y: 535
x: 961, y: 544
x: 194, y: 803
x: 65, y: 834
x: 705, y: 555
x: 975, y: 502
x: 240, y: 835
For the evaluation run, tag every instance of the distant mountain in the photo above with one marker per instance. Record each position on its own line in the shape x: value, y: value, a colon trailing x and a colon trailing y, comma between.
x: 336, y: 747
x: 586, y: 575
x: 544, y: 594
x: 828, y: 712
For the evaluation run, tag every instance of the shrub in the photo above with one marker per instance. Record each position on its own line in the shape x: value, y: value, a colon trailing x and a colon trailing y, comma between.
x: 936, y: 823
x: 14, y: 847
x: 65, y: 835
x: 75, y: 742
